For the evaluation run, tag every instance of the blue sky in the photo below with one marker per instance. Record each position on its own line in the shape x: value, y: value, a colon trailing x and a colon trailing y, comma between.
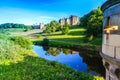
x: 36, y: 11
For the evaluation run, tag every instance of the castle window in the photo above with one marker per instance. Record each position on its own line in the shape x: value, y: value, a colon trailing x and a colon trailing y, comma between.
x: 108, y: 21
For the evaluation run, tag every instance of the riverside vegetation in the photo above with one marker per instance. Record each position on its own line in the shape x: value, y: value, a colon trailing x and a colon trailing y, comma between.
x: 19, y: 62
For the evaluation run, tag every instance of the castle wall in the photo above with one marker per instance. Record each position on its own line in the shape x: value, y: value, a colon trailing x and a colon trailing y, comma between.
x: 111, y: 40
x: 111, y: 46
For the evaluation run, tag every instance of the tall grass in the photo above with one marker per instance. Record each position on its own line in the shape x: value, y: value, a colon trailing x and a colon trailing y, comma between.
x: 9, y: 51
x: 22, y: 41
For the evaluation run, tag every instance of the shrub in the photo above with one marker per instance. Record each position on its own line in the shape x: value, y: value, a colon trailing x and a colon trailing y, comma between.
x: 22, y: 41
x: 8, y: 50
x: 38, y: 35
x: 65, y: 29
x: 45, y: 42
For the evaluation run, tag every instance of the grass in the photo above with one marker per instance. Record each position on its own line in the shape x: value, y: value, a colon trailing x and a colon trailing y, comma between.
x: 14, y: 30
x: 76, y: 37
x: 35, y: 68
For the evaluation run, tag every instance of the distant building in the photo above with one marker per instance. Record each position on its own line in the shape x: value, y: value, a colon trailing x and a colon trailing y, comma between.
x: 62, y: 21
x: 42, y: 25
x: 72, y: 20
x: 67, y: 20
x: 38, y: 26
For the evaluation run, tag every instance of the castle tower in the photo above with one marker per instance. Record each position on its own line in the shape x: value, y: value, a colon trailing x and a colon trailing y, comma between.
x: 111, y: 39
x: 62, y: 21
x: 74, y: 20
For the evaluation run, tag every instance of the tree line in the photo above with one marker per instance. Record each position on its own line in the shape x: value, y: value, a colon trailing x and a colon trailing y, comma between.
x: 15, y: 25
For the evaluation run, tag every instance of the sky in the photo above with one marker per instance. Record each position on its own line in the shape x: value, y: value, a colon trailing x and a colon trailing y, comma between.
x: 43, y: 11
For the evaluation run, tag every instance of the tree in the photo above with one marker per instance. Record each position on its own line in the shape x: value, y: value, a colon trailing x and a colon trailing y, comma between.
x: 84, y: 20
x: 48, y: 28
x: 53, y: 26
x: 94, y: 25
x: 65, y: 29
x: 93, y: 22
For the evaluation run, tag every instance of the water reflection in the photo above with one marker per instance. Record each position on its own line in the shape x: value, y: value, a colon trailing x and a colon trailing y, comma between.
x: 79, y: 60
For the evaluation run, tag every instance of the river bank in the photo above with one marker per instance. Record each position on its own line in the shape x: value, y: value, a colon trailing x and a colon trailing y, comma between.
x: 21, y: 63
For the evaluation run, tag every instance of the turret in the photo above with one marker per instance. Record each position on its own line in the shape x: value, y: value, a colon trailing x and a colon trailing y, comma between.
x: 111, y: 39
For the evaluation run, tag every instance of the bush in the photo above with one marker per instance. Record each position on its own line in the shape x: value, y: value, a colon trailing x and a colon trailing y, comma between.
x: 65, y: 29
x: 38, y: 35
x: 45, y: 42
x: 8, y: 50
x: 22, y: 41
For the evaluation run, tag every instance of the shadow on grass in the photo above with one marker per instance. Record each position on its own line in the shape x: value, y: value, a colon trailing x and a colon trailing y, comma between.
x: 35, y: 68
x: 76, y: 33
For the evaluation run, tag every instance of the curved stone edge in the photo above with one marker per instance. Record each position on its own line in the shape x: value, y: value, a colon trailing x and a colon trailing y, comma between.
x: 109, y: 3
x: 111, y: 59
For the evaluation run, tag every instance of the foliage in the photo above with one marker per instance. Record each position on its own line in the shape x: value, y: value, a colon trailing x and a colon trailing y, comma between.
x: 45, y: 42
x: 93, y: 22
x: 48, y: 28
x: 65, y: 29
x: 53, y: 51
x: 30, y: 66
x: 22, y: 41
x: 15, y: 25
x: 91, y: 38
x: 53, y: 26
x: 27, y: 28
x: 84, y: 20
x: 35, y: 68
x: 8, y: 50
x: 38, y: 35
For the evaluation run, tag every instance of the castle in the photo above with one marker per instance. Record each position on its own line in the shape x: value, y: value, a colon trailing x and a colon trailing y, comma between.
x: 111, y: 39
x: 72, y: 20
x: 38, y: 26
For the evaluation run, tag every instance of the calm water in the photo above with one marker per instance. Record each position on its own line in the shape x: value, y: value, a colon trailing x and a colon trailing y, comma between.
x: 79, y: 60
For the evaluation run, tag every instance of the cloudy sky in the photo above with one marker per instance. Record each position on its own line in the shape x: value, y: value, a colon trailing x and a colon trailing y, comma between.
x: 36, y: 11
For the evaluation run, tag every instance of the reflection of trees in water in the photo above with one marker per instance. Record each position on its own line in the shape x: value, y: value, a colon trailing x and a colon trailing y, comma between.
x: 66, y: 51
x: 94, y: 62
x: 56, y: 51
x: 53, y: 51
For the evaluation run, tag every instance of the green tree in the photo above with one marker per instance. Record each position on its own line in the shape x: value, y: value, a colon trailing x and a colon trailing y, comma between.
x: 65, y: 29
x: 93, y: 22
x: 84, y: 20
x: 53, y: 26
x: 48, y: 28
x: 94, y: 25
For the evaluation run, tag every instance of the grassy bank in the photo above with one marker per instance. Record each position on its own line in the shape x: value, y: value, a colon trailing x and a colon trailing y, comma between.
x: 75, y: 38
x: 18, y: 62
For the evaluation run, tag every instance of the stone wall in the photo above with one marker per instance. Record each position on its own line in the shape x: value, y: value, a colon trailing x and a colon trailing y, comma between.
x: 111, y: 46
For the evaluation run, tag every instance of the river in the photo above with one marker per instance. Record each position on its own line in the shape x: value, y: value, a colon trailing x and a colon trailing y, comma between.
x: 84, y: 61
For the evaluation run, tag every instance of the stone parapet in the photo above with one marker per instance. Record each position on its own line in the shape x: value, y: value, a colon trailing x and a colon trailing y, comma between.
x: 109, y: 3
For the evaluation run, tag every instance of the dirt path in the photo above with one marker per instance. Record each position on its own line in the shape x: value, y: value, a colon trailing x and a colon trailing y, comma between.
x: 31, y: 33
